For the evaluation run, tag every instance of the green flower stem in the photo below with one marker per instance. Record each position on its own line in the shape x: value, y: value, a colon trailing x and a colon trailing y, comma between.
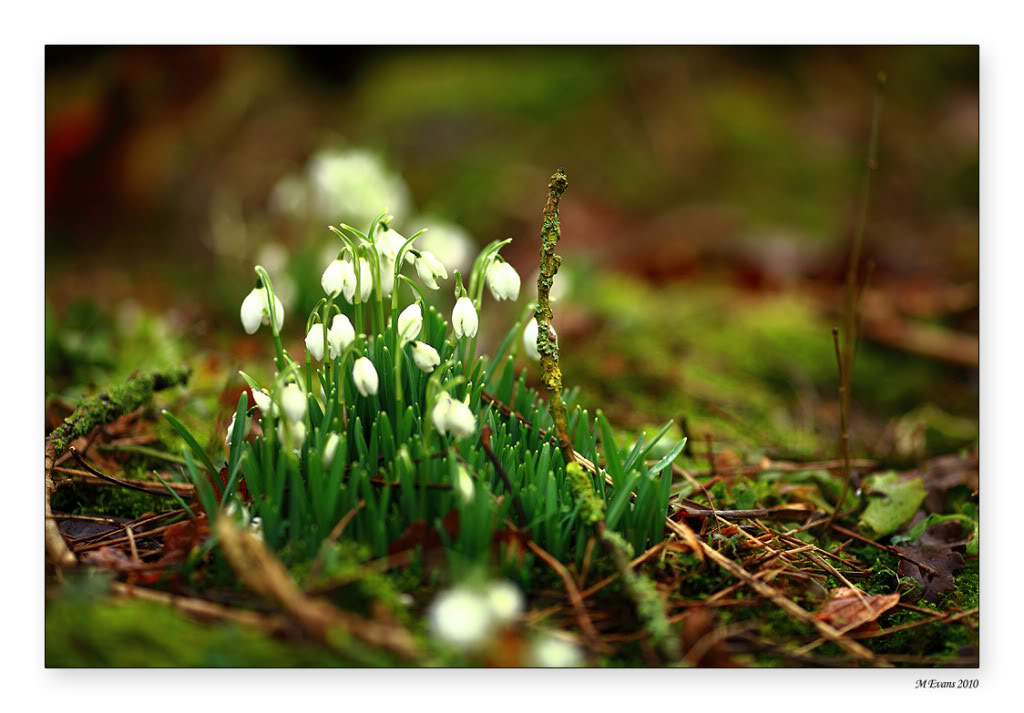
x: 269, y: 289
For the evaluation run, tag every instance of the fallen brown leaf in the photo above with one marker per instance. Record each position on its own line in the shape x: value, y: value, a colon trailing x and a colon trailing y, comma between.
x: 943, y: 560
x: 845, y: 609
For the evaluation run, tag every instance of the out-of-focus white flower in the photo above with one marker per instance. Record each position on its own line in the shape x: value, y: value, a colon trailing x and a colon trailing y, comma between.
x: 429, y: 268
x: 354, y: 185
x: 365, y: 376
x: 464, y: 484
x: 274, y: 257
x: 447, y: 241
x: 410, y: 323
x: 551, y: 652
x: 256, y: 526
x: 460, y: 421
x: 315, y: 341
x: 297, y: 429
x: 254, y: 311
x: 505, y: 600
x: 503, y: 281
x: 330, y: 448
x: 425, y: 356
x: 337, y: 277
x: 340, y: 335
x: 231, y: 429
x: 439, y: 414
x: 461, y: 618
x: 464, y: 318
x: 288, y: 197
x: 293, y: 402
x: 530, y: 338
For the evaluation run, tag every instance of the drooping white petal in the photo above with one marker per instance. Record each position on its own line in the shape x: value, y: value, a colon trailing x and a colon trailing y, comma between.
x: 330, y: 447
x: 503, y: 281
x: 389, y: 243
x: 530, y: 339
x: 315, y: 341
x: 333, y: 279
x: 439, y: 414
x: 297, y: 429
x: 252, y: 310
x: 464, y: 485
x: 340, y: 335
x: 293, y: 402
x: 464, y: 318
x: 365, y: 376
x: 262, y: 399
x: 425, y: 356
x: 387, y: 276
x: 365, y: 280
x: 460, y: 420
x: 436, y: 266
x: 410, y: 323
x: 426, y: 274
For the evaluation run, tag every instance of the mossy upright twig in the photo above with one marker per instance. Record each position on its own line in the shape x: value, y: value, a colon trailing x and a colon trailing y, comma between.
x: 639, y: 588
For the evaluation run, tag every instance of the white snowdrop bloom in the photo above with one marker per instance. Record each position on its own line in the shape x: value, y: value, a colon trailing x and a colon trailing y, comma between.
x: 410, y: 323
x: 551, y: 652
x: 439, y: 414
x: 340, y: 335
x: 464, y: 318
x: 460, y: 420
x: 256, y: 526
x: 297, y: 429
x: 389, y: 243
x: 425, y: 356
x: 254, y: 311
x: 365, y: 376
x: 505, y: 600
x: 387, y: 276
x: 461, y: 618
x: 464, y: 485
x: 262, y: 399
x: 365, y: 282
x: 315, y: 341
x: 530, y: 338
x: 330, y: 448
x: 429, y: 268
x: 503, y: 281
x: 293, y: 402
x: 338, y: 275
x: 231, y: 429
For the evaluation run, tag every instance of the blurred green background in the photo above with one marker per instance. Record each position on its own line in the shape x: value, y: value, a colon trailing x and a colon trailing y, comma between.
x: 712, y: 202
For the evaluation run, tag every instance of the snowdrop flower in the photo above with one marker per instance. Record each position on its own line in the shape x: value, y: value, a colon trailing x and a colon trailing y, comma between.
x: 365, y: 282
x: 296, y: 428
x: 429, y: 268
x: 330, y: 447
x: 254, y: 311
x: 464, y: 318
x: 354, y: 184
x: 505, y: 600
x: 337, y: 278
x: 530, y: 338
x: 439, y: 414
x: 293, y: 401
x: 365, y: 376
x: 387, y: 277
x: 256, y: 526
x: 340, y: 335
x: 262, y: 399
x: 464, y: 485
x: 231, y: 429
x: 410, y: 323
x: 315, y: 341
x: 460, y: 421
x: 461, y: 618
x: 425, y: 356
x: 503, y: 280
x: 389, y: 243
x: 551, y: 652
